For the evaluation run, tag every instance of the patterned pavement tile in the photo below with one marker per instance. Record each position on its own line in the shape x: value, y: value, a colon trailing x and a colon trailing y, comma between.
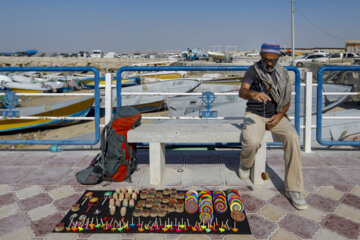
x: 232, y: 178
x: 348, y: 212
x: 8, y: 210
x: 260, y: 227
x: 352, y: 174
x: 80, y: 188
x: 356, y: 190
x: 341, y: 159
x: 85, y: 162
x: 282, y: 234
x: 311, y: 189
x: 14, y: 222
x: 323, y: 203
x: 281, y: 202
x: 63, y: 160
x: 35, y: 201
x: 28, y: 192
x: 64, y: 204
x: 106, y: 237
x: 23, y: 233
x: 272, y: 213
x: 263, y: 193
x: 7, y: 198
x: 45, y: 225
x: 312, y: 213
x: 44, y: 176
x: 12, y: 175
x: 238, y: 237
x: 202, y: 175
x: 152, y: 236
x: 61, y: 192
x: 275, y: 161
x: 172, y: 177
x: 344, y: 188
x: 325, y: 234
x: 330, y: 192
x: 4, y: 188
x: 61, y: 236
x: 70, y: 178
x: 351, y: 200
x: 341, y: 226
x: 7, y: 159
x: 252, y: 204
x: 41, y: 212
x: 312, y: 160
x: 31, y: 159
x: 324, y: 177
x: 300, y: 226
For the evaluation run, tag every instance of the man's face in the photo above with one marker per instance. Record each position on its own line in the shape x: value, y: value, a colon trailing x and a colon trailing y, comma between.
x: 269, y: 60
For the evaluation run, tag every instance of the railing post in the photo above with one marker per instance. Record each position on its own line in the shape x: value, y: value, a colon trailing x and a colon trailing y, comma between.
x: 308, y: 112
x: 108, y: 98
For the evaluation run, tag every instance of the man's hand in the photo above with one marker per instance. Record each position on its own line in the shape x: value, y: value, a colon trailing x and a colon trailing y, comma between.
x: 274, y: 120
x: 259, y: 96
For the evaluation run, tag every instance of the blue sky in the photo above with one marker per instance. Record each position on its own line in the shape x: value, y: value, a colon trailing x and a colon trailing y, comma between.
x: 128, y: 25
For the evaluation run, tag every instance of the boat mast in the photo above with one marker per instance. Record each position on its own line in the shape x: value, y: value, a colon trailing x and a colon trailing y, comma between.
x: 292, y: 30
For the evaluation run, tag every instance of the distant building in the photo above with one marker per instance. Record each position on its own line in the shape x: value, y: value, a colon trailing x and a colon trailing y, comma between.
x: 352, y: 46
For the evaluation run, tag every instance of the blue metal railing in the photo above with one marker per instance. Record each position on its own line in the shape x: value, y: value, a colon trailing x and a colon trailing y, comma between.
x: 213, y: 68
x: 97, y: 106
x: 319, y: 106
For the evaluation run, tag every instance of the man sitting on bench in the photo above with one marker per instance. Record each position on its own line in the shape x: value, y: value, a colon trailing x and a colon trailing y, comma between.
x: 267, y: 88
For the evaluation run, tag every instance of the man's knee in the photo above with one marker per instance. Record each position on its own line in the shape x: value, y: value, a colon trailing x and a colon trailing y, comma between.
x: 291, y: 137
x: 252, y: 142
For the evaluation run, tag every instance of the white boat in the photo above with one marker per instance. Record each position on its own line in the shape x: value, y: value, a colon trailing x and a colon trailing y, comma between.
x: 151, y: 103
x: 25, y: 87
x: 234, y: 106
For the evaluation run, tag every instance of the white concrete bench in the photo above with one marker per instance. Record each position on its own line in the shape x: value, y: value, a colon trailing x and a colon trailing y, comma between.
x: 159, y: 134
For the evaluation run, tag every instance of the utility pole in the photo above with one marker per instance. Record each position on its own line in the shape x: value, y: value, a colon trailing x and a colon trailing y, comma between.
x: 292, y: 30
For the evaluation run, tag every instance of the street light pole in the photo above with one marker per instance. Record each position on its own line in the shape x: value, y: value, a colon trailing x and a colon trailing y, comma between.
x: 292, y: 30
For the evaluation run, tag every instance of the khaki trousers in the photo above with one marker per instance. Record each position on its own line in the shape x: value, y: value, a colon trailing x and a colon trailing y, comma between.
x: 251, y: 137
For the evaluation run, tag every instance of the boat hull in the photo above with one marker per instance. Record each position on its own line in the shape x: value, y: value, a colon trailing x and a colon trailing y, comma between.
x: 78, y: 108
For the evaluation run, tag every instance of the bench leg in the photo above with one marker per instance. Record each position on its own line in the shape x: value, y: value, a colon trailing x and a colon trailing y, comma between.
x: 157, y: 162
x: 260, y: 161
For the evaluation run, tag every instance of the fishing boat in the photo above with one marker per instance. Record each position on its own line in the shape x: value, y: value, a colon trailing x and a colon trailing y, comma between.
x: 151, y: 103
x: 89, y: 83
x: 161, y: 76
x: 71, y: 108
x: 30, y: 84
x: 234, y: 106
x: 24, y: 87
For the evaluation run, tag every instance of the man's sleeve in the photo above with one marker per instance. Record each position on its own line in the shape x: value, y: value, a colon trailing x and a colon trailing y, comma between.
x: 250, y: 75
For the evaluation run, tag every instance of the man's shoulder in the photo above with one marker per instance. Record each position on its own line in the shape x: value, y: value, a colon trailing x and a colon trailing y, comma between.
x: 251, y: 69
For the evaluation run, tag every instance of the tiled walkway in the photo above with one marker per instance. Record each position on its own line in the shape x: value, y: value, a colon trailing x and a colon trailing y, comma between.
x: 38, y: 188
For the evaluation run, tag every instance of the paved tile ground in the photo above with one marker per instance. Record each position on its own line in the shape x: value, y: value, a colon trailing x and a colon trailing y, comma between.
x: 38, y: 188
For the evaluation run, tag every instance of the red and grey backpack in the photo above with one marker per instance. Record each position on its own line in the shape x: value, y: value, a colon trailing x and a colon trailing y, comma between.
x: 117, y: 159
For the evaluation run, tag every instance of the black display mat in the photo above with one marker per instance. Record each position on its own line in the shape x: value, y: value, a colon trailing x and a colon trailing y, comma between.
x: 243, y: 227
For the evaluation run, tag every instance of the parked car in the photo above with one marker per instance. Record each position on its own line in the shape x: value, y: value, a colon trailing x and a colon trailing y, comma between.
x: 338, y: 57
x: 83, y: 54
x: 96, y: 54
x: 299, y: 62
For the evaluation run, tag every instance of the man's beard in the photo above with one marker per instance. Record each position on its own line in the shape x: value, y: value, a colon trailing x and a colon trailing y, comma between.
x: 266, y: 69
